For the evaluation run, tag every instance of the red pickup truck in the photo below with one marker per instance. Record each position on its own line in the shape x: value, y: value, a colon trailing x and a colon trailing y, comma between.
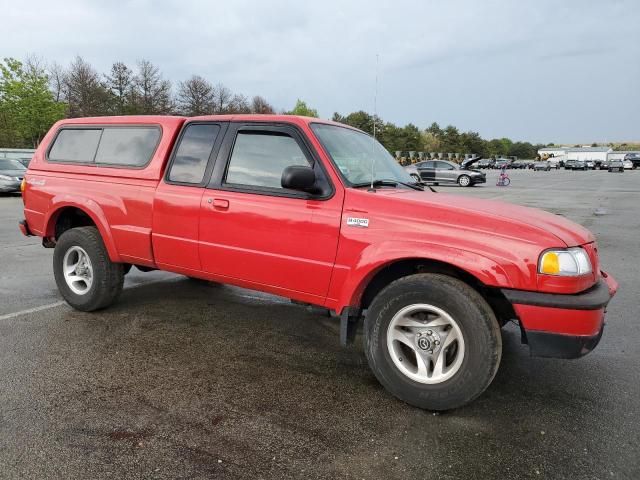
x: 320, y: 213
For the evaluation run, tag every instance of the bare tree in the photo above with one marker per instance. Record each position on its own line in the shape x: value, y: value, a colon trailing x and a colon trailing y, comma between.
x: 196, y: 96
x: 239, y: 104
x: 222, y: 99
x: 84, y: 91
x: 260, y: 105
x: 35, y: 66
x: 57, y: 78
x: 153, y: 93
x: 120, y: 85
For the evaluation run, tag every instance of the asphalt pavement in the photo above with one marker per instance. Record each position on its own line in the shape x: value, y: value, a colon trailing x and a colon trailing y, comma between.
x: 182, y: 379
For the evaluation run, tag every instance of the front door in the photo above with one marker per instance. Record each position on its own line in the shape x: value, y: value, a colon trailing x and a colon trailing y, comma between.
x: 427, y: 171
x: 254, y: 231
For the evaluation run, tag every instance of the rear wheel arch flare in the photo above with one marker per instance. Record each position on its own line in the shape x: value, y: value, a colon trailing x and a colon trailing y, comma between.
x: 72, y: 216
x: 68, y: 217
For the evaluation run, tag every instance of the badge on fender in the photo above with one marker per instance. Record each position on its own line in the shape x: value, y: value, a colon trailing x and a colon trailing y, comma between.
x: 358, y: 222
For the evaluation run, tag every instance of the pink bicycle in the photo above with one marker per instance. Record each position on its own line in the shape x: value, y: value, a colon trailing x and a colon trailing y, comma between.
x: 503, y: 179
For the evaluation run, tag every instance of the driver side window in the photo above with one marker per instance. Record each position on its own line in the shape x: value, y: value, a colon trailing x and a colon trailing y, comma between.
x: 259, y: 158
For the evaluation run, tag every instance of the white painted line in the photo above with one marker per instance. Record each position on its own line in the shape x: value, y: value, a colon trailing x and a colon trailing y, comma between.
x: 8, y: 316
x: 31, y: 310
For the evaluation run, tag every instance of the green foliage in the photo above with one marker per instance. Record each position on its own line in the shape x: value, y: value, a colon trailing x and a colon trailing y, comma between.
x: 618, y: 147
x: 302, y: 109
x: 435, y: 139
x: 27, y: 106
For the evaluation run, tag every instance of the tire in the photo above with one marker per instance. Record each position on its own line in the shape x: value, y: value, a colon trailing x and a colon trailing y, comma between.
x: 474, y: 360
x: 464, y: 181
x: 96, y: 281
x: 506, y: 182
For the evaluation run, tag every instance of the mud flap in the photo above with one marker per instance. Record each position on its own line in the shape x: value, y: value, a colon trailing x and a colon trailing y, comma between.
x: 349, y: 319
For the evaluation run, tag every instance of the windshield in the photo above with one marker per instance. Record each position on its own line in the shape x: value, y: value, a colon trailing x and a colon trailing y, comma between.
x: 353, y: 153
x: 11, y: 165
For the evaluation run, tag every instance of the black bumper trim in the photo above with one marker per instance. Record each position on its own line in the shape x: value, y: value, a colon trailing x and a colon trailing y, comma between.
x: 595, y: 298
x: 26, y: 227
x: 555, y: 345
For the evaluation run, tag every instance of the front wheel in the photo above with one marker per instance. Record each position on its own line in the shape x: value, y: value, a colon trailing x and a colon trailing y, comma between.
x: 87, y: 279
x: 432, y: 341
x: 464, y: 180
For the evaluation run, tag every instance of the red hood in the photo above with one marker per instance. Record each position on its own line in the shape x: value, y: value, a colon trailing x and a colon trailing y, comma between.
x: 500, y: 217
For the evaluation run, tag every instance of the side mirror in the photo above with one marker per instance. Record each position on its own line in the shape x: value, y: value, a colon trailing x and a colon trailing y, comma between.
x: 298, y: 177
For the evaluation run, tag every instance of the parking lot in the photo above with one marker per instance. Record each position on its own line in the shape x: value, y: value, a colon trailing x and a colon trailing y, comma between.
x: 182, y: 379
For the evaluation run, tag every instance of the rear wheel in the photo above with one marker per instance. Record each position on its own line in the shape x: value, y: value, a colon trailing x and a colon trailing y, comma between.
x: 87, y: 279
x: 432, y: 341
x: 464, y: 180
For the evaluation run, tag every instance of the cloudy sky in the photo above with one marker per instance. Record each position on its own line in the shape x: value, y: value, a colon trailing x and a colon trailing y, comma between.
x: 539, y: 70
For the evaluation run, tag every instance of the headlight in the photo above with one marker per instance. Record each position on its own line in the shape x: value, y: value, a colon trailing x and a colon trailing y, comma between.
x: 569, y: 263
x: 5, y: 177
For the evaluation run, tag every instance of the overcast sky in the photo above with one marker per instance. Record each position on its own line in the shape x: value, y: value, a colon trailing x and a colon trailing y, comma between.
x: 542, y: 71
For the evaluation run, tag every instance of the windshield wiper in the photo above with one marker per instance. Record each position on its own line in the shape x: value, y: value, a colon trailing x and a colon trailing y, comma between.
x: 384, y: 182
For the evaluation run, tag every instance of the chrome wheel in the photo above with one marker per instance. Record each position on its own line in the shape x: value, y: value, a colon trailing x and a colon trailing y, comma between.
x: 77, y: 269
x: 464, y: 181
x: 425, y: 343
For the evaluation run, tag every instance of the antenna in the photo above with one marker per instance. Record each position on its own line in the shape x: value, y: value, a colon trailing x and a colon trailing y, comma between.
x: 373, y: 140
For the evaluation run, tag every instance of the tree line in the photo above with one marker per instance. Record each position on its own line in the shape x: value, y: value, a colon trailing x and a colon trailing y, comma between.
x: 34, y: 95
x: 435, y: 138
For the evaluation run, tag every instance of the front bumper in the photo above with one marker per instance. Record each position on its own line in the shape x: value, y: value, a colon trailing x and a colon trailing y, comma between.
x: 563, y: 326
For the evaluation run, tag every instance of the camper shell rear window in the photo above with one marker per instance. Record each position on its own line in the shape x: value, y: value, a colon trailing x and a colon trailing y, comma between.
x: 129, y: 146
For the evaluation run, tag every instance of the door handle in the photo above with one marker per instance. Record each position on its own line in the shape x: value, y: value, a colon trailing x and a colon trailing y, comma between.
x: 220, y: 203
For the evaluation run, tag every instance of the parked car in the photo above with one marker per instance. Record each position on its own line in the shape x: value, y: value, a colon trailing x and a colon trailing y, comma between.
x: 627, y: 164
x: 634, y: 157
x: 289, y: 205
x: 25, y: 161
x: 575, y: 165
x: 486, y: 163
x: 518, y: 164
x: 616, y: 166
x: 590, y: 164
x: 503, y: 163
x: 544, y: 166
x: 555, y: 163
x: 11, y: 175
x: 444, y: 172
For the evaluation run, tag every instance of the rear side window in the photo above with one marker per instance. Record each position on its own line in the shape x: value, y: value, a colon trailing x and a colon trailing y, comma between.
x: 259, y: 158
x: 117, y: 146
x: 75, y: 145
x: 131, y: 147
x: 192, y: 156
